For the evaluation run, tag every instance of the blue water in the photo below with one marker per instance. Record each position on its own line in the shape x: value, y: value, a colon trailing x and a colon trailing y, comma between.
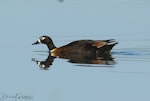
x: 23, y: 22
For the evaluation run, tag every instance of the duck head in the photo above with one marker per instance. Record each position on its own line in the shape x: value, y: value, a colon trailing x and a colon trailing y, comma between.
x: 45, y: 40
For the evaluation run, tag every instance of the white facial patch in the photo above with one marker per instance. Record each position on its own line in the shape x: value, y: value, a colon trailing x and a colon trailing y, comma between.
x: 42, y: 38
x: 39, y: 40
x: 38, y: 63
x: 41, y: 65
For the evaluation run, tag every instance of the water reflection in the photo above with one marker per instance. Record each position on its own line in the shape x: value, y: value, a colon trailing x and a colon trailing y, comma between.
x: 133, y: 54
x: 61, y: 0
x: 45, y: 64
x: 102, y: 59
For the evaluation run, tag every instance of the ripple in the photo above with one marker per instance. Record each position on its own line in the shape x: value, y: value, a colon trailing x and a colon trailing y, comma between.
x: 134, y: 54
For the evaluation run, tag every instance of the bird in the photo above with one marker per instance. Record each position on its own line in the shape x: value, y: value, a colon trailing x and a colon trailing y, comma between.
x: 79, y: 47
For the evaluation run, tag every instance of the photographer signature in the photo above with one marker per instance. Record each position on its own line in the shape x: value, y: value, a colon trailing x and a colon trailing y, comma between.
x: 15, y: 97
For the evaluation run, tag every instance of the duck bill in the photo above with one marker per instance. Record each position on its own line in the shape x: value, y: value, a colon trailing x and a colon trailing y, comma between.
x: 36, y: 43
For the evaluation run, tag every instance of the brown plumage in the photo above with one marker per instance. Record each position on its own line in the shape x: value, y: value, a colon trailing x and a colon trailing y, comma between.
x: 85, y: 47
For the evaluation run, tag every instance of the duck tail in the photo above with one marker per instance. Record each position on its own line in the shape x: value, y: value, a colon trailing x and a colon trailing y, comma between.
x: 110, y: 41
x: 107, y: 48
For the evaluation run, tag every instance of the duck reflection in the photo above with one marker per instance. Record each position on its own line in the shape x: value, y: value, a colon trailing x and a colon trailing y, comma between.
x: 45, y: 64
x: 103, y: 59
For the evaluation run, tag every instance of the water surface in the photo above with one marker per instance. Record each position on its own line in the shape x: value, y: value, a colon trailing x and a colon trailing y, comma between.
x: 23, y: 22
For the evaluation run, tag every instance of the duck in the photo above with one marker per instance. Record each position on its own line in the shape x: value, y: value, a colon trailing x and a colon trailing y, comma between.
x: 79, y: 47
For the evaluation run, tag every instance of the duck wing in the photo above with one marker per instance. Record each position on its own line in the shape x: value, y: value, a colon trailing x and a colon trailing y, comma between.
x: 99, y: 44
x: 84, y: 44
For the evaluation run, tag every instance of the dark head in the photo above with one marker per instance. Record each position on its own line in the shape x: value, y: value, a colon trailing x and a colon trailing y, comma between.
x: 45, y: 40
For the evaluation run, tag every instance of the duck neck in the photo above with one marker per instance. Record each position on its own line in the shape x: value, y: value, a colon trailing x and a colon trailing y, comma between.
x: 51, y: 46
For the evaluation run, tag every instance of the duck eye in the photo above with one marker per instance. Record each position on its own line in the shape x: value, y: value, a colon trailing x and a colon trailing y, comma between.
x: 42, y: 38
